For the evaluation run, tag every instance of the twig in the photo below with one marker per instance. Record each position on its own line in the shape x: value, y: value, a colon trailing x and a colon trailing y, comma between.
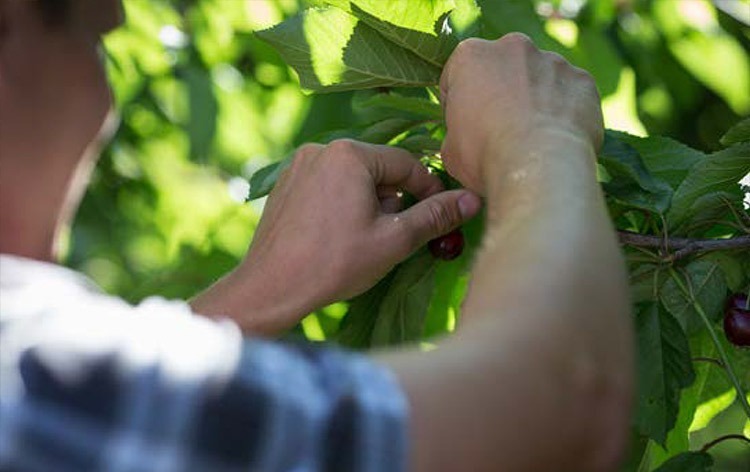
x: 724, y: 438
x: 683, y: 246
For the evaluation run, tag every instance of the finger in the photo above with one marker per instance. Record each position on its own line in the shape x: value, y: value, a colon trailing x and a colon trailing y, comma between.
x: 390, y: 204
x: 432, y: 217
x: 393, y: 167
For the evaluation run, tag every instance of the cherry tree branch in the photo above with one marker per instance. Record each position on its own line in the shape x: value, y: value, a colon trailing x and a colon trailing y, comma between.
x: 683, y: 247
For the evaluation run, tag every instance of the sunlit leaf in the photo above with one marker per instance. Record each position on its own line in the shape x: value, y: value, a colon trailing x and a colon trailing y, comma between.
x: 419, y: 26
x: 332, y: 50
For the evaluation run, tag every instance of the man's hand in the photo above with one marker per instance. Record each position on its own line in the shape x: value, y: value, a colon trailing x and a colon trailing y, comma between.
x: 503, y: 97
x: 332, y: 227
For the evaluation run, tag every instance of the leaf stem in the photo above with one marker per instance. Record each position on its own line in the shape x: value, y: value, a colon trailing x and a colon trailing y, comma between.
x: 709, y: 359
x: 722, y: 354
x: 716, y: 441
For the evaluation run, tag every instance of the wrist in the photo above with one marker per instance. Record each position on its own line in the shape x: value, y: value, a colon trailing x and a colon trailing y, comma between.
x: 253, y: 300
x: 511, y: 153
x: 547, y: 169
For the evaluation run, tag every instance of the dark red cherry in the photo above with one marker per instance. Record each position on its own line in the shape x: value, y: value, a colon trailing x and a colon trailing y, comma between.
x: 737, y: 326
x: 447, y: 247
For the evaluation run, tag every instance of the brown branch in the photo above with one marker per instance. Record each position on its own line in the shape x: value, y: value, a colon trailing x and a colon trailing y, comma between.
x: 683, y: 247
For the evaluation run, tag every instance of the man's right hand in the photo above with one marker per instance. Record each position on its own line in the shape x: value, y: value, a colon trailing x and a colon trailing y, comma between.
x: 501, y: 97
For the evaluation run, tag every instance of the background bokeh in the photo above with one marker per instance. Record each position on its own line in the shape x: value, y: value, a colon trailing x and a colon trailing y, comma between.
x: 203, y: 104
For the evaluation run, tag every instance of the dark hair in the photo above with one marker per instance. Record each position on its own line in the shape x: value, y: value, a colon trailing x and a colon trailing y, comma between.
x: 54, y: 12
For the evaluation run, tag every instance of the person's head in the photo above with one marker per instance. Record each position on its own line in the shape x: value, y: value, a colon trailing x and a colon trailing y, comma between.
x: 53, y: 91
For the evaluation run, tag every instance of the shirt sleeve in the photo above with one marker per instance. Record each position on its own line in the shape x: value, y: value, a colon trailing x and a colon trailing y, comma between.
x: 162, y: 389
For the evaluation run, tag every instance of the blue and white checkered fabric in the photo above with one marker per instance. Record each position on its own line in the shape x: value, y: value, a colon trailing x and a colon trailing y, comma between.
x: 88, y: 382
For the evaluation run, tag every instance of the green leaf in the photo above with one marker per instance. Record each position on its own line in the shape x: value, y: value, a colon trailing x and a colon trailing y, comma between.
x: 630, y: 182
x: 706, y: 286
x: 420, y: 144
x: 264, y: 179
x: 419, y: 107
x: 332, y: 50
x: 665, y: 158
x: 738, y: 133
x: 201, y: 128
x: 403, y: 309
x: 688, y: 462
x: 358, y: 322
x: 646, y: 281
x: 419, y: 26
x: 664, y: 368
x: 384, y: 131
x: 731, y: 267
x: 721, y: 171
x: 709, y: 208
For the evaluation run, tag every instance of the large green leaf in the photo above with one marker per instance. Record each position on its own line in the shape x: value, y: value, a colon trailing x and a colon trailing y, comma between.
x: 665, y: 158
x: 383, y: 131
x: 332, y: 50
x: 393, y: 311
x: 630, y: 181
x: 359, y: 320
x: 705, y: 285
x: 721, y: 171
x: 688, y: 462
x: 403, y: 309
x: 413, y: 106
x: 664, y: 369
x: 709, y: 207
x: 419, y: 26
x: 738, y: 133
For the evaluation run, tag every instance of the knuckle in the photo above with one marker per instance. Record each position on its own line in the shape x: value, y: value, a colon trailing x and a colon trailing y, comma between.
x: 308, y: 149
x: 556, y: 59
x: 342, y: 146
x: 471, y: 46
x: 516, y: 40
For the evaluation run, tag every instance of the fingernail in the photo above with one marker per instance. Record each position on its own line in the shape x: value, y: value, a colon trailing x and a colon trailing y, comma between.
x: 468, y: 205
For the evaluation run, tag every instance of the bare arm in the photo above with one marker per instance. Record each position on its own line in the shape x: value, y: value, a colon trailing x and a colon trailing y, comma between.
x: 538, y: 377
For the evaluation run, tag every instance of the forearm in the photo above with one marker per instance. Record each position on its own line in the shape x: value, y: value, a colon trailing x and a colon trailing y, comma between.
x: 544, y: 339
x: 549, y: 281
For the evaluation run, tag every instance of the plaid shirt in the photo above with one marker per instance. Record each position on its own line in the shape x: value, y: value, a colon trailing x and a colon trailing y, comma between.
x: 88, y: 382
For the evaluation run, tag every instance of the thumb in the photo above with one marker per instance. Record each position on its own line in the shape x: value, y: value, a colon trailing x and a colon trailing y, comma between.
x: 436, y: 215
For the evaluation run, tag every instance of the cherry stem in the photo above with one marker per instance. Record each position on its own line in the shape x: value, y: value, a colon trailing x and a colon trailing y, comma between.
x: 722, y: 354
x: 716, y: 441
x: 682, y: 246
